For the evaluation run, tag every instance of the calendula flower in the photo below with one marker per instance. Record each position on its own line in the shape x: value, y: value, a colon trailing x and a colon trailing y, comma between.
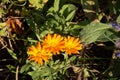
x: 53, y: 43
x: 14, y: 25
x: 72, y: 45
x: 38, y: 54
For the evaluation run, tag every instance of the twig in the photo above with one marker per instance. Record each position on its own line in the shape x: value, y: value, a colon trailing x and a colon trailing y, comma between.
x: 16, y: 75
x: 80, y: 74
x: 10, y: 44
x: 82, y: 52
x: 7, y: 77
x: 3, y: 43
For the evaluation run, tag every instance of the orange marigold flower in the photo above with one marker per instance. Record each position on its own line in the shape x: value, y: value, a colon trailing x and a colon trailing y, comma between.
x: 53, y: 43
x: 72, y: 45
x: 38, y: 54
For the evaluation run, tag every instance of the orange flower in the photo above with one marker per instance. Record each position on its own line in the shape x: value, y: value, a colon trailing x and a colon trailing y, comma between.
x: 14, y: 25
x: 38, y: 54
x: 53, y: 43
x: 72, y: 45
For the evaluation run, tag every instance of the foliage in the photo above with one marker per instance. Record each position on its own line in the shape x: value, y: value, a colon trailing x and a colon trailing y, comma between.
x: 25, y: 22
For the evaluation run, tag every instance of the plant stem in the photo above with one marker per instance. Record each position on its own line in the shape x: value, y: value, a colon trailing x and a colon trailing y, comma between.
x: 16, y: 75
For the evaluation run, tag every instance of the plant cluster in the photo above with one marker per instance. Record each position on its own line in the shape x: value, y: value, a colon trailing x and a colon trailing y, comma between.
x: 53, y: 45
x: 59, y: 39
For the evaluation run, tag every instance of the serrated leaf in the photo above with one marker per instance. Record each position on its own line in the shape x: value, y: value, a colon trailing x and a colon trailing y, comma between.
x: 93, y: 31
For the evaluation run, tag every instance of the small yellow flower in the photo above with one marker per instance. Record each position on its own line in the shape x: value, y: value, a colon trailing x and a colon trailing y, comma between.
x: 72, y: 45
x: 53, y: 43
x: 44, y: 1
x: 38, y: 54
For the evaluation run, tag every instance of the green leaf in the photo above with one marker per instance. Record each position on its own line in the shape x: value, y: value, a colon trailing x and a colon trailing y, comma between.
x: 93, y: 31
x: 36, y: 3
x: 41, y: 73
x: 76, y: 27
x: 11, y: 68
x: 49, y: 78
x: 3, y: 32
x: 32, y: 40
x: 109, y: 35
x: 68, y: 11
x: 1, y: 11
x: 35, y: 75
x: 57, y: 61
x: 33, y: 26
x: 113, y: 79
x: 5, y: 1
x: 25, y: 68
x: 70, y: 16
x: 14, y: 56
x: 45, y: 32
x: 79, y: 25
x: 118, y: 19
x: 56, y: 5
x: 35, y: 66
x: 31, y: 22
x: 72, y: 58
x: 65, y: 56
x: 2, y: 25
x: 46, y: 71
